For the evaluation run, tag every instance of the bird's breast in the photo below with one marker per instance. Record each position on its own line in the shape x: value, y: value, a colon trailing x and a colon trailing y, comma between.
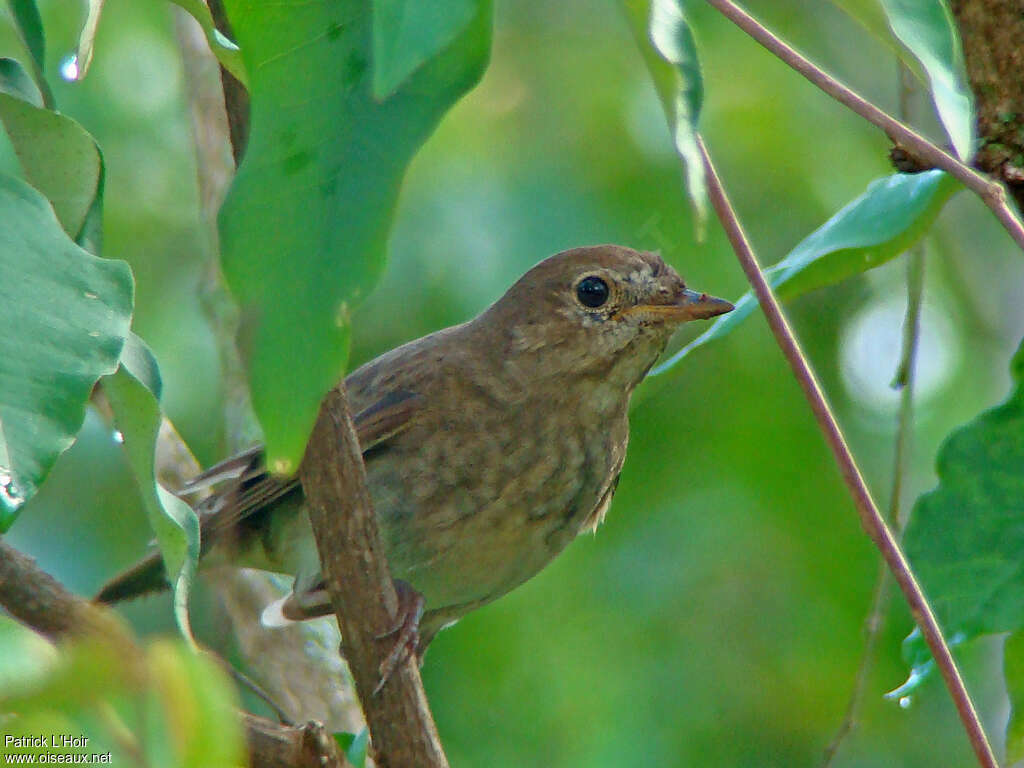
x: 475, y: 499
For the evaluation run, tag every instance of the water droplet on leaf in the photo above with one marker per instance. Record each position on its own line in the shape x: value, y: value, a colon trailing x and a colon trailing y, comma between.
x: 69, y: 67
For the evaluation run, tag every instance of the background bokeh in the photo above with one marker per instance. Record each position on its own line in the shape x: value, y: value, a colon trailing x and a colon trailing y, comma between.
x: 716, y: 618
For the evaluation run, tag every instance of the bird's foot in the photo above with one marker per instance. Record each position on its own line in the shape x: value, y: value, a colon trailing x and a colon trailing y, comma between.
x: 406, y: 631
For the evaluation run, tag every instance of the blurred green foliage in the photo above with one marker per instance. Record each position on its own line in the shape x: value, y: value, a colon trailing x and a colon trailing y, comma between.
x: 170, y: 708
x: 716, y: 617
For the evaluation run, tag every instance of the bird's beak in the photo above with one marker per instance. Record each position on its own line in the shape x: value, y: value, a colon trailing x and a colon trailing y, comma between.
x: 686, y: 305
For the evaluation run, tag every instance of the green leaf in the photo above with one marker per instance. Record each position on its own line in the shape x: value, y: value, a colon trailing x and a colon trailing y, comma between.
x: 918, y: 657
x: 196, y: 712
x: 137, y: 415
x: 24, y: 655
x: 169, y: 707
x: 58, y: 156
x: 1013, y: 670
x: 15, y: 81
x: 29, y: 26
x: 668, y: 49
x: 927, y: 29
x: 64, y: 322
x: 408, y: 33
x: 876, y: 227
x: 966, y: 536
x: 86, y: 39
x: 138, y: 359
x: 304, y: 226
x: 869, y: 14
x: 354, y: 746
x: 90, y: 236
x: 227, y: 52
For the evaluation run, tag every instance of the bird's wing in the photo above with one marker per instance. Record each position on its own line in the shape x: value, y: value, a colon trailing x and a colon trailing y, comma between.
x: 246, y: 486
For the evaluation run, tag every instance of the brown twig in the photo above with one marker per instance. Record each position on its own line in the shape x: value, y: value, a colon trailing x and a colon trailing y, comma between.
x: 871, y: 519
x: 306, y: 746
x: 904, y: 382
x: 352, y: 555
x: 39, y: 601
x: 991, y: 193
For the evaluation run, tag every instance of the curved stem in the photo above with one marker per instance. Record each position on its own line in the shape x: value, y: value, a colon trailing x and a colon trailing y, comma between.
x: 871, y: 519
x: 991, y: 193
x: 904, y: 381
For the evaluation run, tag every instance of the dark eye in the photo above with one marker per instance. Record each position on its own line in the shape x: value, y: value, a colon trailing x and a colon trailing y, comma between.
x: 592, y: 291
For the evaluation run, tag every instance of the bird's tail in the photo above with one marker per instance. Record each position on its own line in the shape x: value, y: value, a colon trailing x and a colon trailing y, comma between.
x: 147, y: 575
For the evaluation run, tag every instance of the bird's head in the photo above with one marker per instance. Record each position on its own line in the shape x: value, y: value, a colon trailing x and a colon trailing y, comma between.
x: 603, y: 307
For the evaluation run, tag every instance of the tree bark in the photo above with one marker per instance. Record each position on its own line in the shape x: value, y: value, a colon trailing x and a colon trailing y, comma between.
x: 991, y: 32
x: 333, y: 477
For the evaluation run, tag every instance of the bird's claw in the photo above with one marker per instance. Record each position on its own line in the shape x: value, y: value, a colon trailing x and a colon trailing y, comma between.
x: 406, y: 631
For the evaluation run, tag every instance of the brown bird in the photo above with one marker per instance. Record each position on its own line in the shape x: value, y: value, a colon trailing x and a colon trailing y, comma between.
x: 489, y: 446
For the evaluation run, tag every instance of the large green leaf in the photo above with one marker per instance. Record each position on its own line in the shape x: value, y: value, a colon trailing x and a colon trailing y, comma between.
x: 65, y: 319
x: 133, y: 391
x: 873, y: 229
x: 668, y: 49
x: 966, y: 537
x: 58, y: 156
x: 16, y: 82
x: 304, y: 226
x: 408, y: 33
x: 29, y: 26
x: 869, y: 14
x: 227, y: 52
x: 927, y: 29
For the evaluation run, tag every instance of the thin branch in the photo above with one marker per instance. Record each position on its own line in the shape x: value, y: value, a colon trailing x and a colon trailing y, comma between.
x: 333, y: 477
x: 871, y: 519
x: 872, y: 631
x: 991, y: 192
x: 278, y: 746
x: 904, y: 382
x: 39, y: 601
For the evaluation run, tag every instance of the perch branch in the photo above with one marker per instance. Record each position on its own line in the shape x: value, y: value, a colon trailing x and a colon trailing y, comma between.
x: 871, y: 518
x: 991, y: 192
x: 39, y: 601
x: 363, y: 596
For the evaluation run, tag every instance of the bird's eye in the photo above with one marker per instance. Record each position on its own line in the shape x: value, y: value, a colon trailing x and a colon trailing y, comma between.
x: 592, y: 291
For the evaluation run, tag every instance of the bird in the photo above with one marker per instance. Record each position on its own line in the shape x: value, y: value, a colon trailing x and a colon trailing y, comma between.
x: 489, y: 446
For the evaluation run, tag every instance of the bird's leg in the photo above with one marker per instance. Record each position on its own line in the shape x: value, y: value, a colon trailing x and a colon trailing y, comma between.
x: 406, y: 630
